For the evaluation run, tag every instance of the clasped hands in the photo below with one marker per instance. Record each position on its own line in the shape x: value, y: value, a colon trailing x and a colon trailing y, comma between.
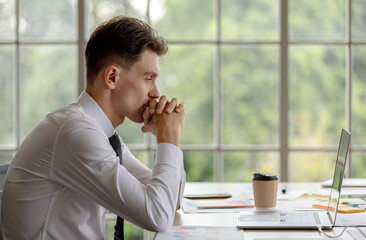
x: 165, y: 119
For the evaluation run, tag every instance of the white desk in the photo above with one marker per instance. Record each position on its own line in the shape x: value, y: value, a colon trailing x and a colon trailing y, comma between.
x: 229, y: 219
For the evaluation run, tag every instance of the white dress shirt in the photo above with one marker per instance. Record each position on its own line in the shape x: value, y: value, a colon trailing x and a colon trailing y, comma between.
x: 65, y: 176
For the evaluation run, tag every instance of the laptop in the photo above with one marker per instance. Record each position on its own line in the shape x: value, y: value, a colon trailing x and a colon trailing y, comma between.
x: 259, y: 219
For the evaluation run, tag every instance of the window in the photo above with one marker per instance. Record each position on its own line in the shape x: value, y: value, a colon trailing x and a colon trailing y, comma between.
x: 38, y: 55
x: 268, y: 83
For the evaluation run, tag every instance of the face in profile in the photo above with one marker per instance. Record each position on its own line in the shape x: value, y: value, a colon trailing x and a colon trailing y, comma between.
x: 137, y: 86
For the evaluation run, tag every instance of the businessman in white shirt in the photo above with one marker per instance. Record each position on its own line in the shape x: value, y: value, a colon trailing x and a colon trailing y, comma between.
x: 67, y: 174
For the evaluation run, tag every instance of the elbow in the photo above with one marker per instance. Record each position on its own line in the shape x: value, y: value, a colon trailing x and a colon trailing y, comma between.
x: 162, y: 208
x: 162, y: 219
x: 161, y: 228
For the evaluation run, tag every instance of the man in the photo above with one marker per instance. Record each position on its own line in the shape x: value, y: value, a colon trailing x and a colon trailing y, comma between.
x: 66, y: 174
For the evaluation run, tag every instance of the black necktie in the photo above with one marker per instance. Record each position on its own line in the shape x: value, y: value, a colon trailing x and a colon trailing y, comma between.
x: 116, y: 145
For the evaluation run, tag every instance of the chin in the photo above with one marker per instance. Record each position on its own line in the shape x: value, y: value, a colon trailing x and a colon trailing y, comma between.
x: 137, y: 119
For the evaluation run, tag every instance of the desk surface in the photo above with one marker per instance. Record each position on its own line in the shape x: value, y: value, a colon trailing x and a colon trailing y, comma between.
x: 229, y: 219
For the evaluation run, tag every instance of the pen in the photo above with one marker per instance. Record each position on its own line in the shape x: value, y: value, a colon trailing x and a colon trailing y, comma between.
x: 284, y: 189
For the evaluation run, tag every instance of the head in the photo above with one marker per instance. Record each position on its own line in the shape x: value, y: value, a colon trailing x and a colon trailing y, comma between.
x: 121, y: 40
x: 122, y: 65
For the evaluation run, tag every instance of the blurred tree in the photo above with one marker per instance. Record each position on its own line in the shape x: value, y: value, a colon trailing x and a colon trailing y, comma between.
x: 48, y: 81
x: 317, y: 20
x: 7, y: 92
x: 250, y: 95
x: 317, y: 95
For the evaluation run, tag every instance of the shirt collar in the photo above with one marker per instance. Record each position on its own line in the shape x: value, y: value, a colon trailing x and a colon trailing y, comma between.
x: 92, y: 108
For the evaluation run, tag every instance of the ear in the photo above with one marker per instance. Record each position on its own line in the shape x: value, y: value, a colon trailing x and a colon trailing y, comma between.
x: 111, y: 76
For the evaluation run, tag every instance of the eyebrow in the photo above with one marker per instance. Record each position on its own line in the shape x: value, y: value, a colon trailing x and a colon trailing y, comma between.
x: 154, y: 74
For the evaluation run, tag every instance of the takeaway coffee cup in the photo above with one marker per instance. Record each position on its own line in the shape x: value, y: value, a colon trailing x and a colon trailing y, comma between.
x: 265, y: 190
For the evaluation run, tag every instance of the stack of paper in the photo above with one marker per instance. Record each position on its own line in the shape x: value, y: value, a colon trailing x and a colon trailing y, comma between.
x: 357, y: 233
x: 204, y: 233
x: 233, y: 204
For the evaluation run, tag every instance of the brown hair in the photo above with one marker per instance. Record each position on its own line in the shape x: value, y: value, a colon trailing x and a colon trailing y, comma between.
x: 120, y: 40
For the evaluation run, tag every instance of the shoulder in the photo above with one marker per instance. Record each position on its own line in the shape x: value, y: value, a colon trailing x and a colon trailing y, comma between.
x: 75, y: 126
x: 72, y: 117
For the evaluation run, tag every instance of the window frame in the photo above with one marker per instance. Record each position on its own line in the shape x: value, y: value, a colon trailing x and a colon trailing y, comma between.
x: 218, y: 148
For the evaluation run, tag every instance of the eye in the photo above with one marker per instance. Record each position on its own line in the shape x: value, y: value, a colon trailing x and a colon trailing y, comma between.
x: 150, y: 78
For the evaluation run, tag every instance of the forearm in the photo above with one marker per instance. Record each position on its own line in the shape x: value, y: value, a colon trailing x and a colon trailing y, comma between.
x: 165, y: 188
x: 166, y: 136
x: 135, y: 167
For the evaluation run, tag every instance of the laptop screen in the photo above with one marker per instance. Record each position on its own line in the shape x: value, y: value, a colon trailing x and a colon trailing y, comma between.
x: 339, y: 171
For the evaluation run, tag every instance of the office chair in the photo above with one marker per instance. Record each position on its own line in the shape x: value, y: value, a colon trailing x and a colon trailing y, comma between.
x: 3, y: 170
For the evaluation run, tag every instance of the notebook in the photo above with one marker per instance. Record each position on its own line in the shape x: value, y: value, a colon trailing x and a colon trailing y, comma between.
x: 347, y: 182
x: 303, y: 219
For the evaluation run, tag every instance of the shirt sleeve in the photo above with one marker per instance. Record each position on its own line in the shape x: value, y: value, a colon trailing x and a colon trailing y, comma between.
x: 163, y: 153
x: 134, y: 166
x: 85, y: 162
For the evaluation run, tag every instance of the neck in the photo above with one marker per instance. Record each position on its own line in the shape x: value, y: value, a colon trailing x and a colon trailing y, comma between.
x: 104, y: 100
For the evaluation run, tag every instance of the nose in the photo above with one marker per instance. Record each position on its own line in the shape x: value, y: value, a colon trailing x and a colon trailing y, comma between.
x: 154, y: 92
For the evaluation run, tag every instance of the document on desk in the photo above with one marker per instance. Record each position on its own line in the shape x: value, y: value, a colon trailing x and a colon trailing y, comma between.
x: 353, y: 219
x: 196, y: 232
x: 357, y: 233
x: 233, y: 204
x: 347, y: 192
x: 347, y: 182
x: 292, y: 238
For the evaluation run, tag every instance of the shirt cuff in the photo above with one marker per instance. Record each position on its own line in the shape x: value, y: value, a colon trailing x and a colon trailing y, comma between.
x: 167, y: 153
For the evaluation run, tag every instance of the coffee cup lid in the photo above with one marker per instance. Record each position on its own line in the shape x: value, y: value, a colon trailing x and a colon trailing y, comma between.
x: 264, y: 177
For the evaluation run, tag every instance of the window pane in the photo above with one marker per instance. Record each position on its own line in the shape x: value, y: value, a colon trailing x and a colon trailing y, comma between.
x: 250, y: 19
x: 359, y: 95
x: 251, y: 95
x: 184, y: 20
x: 7, y: 93
x: 186, y: 73
x: 7, y: 20
x: 48, y: 81
x: 199, y: 166
x: 240, y: 166
x: 359, y: 19
x: 102, y: 10
x: 358, y: 165
x: 131, y: 132
x: 316, y: 95
x: 311, y: 166
x: 6, y: 157
x: 141, y: 156
x: 48, y: 20
x: 317, y: 20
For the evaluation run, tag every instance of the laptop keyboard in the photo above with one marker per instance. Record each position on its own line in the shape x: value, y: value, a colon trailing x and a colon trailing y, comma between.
x: 299, y: 218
